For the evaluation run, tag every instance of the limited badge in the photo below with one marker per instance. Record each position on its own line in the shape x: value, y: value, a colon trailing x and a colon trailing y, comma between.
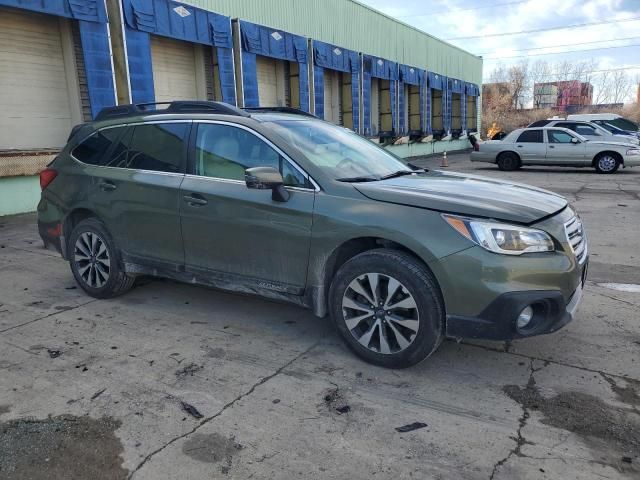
x: 183, y: 12
x: 276, y: 36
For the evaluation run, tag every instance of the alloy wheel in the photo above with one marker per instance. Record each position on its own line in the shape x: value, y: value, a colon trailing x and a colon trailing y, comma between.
x: 380, y: 313
x: 92, y: 260
x: 606, y: 163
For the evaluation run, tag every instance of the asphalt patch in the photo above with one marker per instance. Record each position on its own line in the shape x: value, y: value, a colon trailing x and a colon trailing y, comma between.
x: 609, y: 430
x: 69, y: 447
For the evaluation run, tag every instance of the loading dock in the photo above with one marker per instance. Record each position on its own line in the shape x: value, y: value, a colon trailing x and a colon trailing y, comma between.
x: 379, y: 87
x: 436, y: 105
x: 471, y: 110
x: 176, y: 51
x: 336, y: 79
x: 458, y: 106
x: 55, y: 72
x: 274, y: 66
x: 411, y: 101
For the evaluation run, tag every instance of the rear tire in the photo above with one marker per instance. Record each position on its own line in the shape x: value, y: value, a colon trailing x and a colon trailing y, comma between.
x: 508, y: 162
x: 606, y: 163
x: 95, y: 261
x: 406, y: 323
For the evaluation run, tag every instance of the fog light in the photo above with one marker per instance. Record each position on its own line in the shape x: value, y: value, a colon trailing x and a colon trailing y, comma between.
x: 524, y: 318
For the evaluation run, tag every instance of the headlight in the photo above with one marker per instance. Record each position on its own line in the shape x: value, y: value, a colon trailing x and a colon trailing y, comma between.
x: 502, y: 237
x: 633, y: 151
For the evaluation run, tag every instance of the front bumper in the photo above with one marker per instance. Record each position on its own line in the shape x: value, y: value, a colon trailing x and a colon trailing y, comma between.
x: 498, y: 320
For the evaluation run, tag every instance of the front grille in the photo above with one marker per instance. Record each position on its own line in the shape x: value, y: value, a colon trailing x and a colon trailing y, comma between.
x: 577, y: 238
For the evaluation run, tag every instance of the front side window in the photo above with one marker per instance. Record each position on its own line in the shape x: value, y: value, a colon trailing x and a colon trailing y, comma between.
x: 530, y: 136
x: 158, y: 147
x: 558, y: 136
x: 94, y: 148
x: 224, y: 151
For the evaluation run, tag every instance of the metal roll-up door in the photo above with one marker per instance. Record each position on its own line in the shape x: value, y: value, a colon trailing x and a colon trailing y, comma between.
x: 175, y: 74
x: 34, y: 95
x: 267, y: 81
x: 332, y: 96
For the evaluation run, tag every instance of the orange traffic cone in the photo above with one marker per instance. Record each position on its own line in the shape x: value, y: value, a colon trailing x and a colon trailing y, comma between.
x: 444, y: 162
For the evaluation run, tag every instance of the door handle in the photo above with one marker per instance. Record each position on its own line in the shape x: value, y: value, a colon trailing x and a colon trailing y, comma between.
x: 551, y: 146
x: 519, y: 146
x: 106, y: 186
x: 194, y: 201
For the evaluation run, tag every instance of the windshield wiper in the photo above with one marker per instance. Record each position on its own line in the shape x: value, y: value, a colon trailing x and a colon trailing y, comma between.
x: 399, y: 173
x: 357, y: 179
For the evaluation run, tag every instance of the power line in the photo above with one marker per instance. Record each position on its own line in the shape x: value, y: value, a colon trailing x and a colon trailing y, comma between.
x: 568, y: 45
x: 537, y: 30
x: 555, y: 75
x: 465, y: 9
x: 565, y: 52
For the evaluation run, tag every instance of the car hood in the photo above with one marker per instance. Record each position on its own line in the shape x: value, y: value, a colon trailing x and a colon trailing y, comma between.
x: 466, y: 195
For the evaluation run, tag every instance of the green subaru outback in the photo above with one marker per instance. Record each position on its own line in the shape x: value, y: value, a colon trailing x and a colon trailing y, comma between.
x: 278, y: 203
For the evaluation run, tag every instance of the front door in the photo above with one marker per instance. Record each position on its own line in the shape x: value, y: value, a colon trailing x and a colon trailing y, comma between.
x: 561, y: 150
x: 241, y: 235
x: 137, y: 190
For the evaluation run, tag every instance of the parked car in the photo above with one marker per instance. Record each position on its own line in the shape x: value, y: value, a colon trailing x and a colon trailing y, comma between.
x: 556, y: 146
x: 609, y: 118
x: 296, y: 209
x: 588, y: 130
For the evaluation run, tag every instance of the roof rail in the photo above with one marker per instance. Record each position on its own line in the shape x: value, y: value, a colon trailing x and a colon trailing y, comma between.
x: 178, y: 106
x: 295, y: 111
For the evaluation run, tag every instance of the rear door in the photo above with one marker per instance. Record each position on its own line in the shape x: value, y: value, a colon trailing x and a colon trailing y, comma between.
x: 240, y: 235
x: 561, y: 150
x: 137, y: 190
x: 530, y: 146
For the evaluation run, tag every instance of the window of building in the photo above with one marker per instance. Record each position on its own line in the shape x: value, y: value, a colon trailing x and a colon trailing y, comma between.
x: 223, y: 151
x: 530, y: 136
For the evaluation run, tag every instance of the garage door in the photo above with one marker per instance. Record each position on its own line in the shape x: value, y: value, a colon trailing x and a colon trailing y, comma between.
x: 332, y: 96
x: 267, y: 81
x: 174, y: 69
x: 34, y: 97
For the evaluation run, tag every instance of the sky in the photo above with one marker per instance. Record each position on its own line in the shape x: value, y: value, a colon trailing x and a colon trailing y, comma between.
x: 451, y: 19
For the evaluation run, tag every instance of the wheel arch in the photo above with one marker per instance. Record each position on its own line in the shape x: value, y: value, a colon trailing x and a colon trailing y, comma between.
x: 72, y: 219
x: 326, y: 269
x: 509, y: 151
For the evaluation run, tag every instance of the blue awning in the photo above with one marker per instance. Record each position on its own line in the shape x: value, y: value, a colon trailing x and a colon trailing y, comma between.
x: 380, y: 68
x: 411, y: 75
x: 436, y: 81
x: 87, y: 10
x: 456, y: 86
x: 472, y: 89
x: 330, y: 56
x: 178, y: 20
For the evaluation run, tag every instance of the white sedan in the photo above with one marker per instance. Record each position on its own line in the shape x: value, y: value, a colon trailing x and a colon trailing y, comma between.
x: 558, y: 147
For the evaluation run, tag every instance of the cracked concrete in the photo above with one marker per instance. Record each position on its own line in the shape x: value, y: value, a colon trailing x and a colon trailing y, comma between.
x: 266, y: 369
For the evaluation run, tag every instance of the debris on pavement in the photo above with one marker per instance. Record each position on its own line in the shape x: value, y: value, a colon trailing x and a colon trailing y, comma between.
x: 411, y: 427
x: 53, y: 353
x: 191, y: 410
x: 188, y: 370
x: 98, y: 393
x: 343, y: 409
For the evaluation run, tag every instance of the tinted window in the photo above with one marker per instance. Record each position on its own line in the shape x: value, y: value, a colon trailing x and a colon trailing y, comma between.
x: 118, y: 155
x: 223, y: 151
x: 93, y: 149
x: 558, y: 136
x: 530, y: 136
x: 586, y: 130
x: 158, y: 147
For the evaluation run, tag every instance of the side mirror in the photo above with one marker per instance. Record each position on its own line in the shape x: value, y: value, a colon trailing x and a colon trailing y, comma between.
x: 574, y: 140
x: 267, y: 178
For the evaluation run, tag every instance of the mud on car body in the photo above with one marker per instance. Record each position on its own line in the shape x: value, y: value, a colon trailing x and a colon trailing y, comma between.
x: 283, y: 205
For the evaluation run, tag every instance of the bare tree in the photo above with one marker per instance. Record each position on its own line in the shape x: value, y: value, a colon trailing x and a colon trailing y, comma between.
x: 620, y: 86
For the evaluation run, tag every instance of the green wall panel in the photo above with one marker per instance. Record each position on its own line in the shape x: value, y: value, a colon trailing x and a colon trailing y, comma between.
x: 19, y: 194
x: 353, y: 25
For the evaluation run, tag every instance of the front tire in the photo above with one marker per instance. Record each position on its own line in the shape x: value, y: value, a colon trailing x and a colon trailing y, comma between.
x: 508, y: 162
x: 388, y: 308
x: 95, y: 261
x: 606, y: 163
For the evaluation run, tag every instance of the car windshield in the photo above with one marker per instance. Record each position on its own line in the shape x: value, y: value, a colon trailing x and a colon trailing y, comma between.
x: 340, y: 153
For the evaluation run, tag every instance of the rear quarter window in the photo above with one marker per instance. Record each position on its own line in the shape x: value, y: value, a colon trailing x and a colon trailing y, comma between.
x: 93, y: 150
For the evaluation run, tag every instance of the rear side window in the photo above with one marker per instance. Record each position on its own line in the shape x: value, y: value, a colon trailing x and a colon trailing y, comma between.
x: 159, y: 147
x: 530, y: 136
x: 93, y: 149
x: 586, y: 130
